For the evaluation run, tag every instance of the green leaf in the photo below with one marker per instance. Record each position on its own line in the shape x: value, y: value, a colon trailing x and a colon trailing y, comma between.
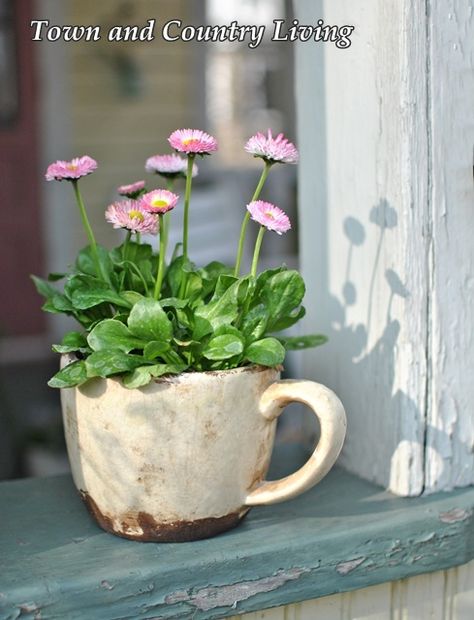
x: 144, y: 374
x: 303, y: 342
x: 223, y: 311
x: 255, y: 322
x: 112, y: 334
x: 266, y: 352
x: 281, y: 294
x: 175, y: 273
x: 58, y: 304
x: 214, y: 269
x: 71, y: 375
x: 223, y: 347
x: 285, y: 322
x: 202, y: 327
x: 131, y: 297
x: 111, y: 362
x: 155, y: 349
x: 136, y: 252
x: 173, y: 302
x: 44, y: 288
x: 85, y: 262
x: 86, y: 292
x: 61, y: 303
x: 174, y: 358
x: 149, y: 321
x: 224, y: 281
x: 72, y: 341
x: 210, y: 273
x: 54, y: 277
x: 193, y: 286
x: 266, y: 275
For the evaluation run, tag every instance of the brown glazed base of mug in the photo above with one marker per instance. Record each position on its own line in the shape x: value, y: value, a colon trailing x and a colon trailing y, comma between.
x: 154, y: 531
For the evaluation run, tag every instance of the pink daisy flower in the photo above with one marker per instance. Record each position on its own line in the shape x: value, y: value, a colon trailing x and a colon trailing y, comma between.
x: 192, y: 141
x: 169, y: 166
x: 270, y: 216
x: 71, y: 170
x: 130, y: 215
x: 159, y: 201
x: 131, y: 191
x: 272, y: 149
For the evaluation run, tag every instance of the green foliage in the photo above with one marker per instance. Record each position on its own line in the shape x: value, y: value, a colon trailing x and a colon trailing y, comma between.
x: 205, y: 319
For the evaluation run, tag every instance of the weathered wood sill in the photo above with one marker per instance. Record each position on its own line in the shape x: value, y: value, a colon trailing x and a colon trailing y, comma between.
x: 55, y: 563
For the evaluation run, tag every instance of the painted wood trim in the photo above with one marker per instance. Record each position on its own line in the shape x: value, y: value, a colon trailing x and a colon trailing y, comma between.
x: 449, y: 457
x: 443, y: 595
x: 343, y: 535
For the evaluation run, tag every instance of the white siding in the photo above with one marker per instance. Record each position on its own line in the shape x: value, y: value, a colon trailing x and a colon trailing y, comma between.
x: 386, y: 196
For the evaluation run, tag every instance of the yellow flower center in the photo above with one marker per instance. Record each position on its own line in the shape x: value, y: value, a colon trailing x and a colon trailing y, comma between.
x: 159, y: 203
x: 136, y: 215
x: 71, y: 167
x: 270, y: 214
x: 189, y: 141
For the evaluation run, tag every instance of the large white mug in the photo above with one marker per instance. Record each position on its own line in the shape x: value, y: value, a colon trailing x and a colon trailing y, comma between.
x: 186, y: 456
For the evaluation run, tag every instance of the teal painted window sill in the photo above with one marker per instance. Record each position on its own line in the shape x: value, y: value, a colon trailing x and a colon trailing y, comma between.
x: 55, y: 563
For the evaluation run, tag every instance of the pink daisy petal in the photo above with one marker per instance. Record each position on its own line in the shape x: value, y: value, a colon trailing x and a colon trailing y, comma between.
x: 192, y: 141
x: 169, y: 165
x: 272, y: 149
x: 132, y: 190
x: 270, y: 216
x: 71, y: 170
x: 159, y: 201
x: 129, y: 214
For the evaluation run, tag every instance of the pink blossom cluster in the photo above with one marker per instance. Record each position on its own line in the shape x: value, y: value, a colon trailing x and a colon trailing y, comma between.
x: 279, y: 149
x: 138, y: 213
x: 131, y: 215
x: 71, y: 170
x: 268, y: 215
x: 192, y: 141
x: 133, y: 190
x: 169, y: 165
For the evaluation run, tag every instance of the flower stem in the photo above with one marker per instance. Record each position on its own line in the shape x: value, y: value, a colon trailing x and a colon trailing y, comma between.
x: 256, y: 254
x: 187, y: 196
x: 138, y: 238
x: 161, y: 258
x: 125, y: 245
x: 243, y: 229
x: 88, y: 229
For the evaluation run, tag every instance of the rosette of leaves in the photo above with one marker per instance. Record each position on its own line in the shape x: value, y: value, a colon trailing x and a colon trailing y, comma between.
x: 205, y: 319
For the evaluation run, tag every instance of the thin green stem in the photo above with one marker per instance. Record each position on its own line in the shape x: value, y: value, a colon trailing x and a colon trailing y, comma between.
x: 88, y: 229
x: 243, y: 228
x: 125, y: 245
x: 161, y: 258
x: 169, y: 184
x: 187, y: 197
x: 256, y: 253
x: 138, y: 238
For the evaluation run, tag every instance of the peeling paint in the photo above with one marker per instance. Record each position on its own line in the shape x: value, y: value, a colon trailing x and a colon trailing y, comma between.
x: 106, y: 585
x: 455, y: 515
x: 229, y: 596
x: 346, y: 567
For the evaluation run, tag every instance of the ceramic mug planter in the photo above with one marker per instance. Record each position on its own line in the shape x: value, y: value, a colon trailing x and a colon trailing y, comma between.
x: 186, y: 456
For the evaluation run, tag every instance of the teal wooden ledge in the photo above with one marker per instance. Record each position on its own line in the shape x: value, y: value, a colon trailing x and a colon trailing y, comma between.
x: 55, y: 563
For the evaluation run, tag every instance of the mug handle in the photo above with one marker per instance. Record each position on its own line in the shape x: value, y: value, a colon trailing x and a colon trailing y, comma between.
x: 327, y: 407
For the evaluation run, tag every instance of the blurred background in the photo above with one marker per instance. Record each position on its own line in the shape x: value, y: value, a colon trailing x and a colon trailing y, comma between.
x: 118, y: 102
